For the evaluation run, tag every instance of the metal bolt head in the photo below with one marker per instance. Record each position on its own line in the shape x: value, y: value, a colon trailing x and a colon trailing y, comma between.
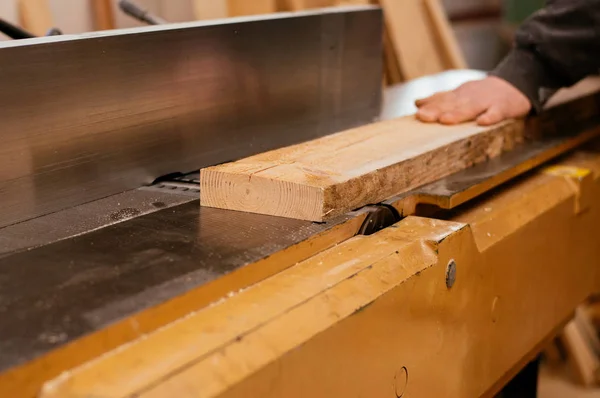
x: 450, y: 274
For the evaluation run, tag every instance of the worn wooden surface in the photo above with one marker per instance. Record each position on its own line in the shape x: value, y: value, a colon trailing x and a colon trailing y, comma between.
x: 374, y: 315
x: 323, y: 178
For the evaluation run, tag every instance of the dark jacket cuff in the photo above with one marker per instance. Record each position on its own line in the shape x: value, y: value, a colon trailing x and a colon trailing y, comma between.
x: 525, y: 71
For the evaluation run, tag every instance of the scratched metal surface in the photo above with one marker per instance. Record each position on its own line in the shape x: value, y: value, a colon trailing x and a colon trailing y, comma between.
x: 77, y: 220
x: 88, y: 116
x: 56, y: 293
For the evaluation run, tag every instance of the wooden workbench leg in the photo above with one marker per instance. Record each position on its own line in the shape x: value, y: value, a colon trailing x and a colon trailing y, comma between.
x: 524, y: 384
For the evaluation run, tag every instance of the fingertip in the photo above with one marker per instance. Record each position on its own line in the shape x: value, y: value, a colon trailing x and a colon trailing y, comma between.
x: 490, y: 117
x: 427, y: 115
x: 422, y: 101
x: 450, y: 118
x: 484, y: 121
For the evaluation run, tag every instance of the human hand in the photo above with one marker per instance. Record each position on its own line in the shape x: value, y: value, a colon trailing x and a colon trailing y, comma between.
x: 488, y: 101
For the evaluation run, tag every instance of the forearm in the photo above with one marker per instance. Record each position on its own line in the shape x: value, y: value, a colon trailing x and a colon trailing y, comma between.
x: 556, y: 47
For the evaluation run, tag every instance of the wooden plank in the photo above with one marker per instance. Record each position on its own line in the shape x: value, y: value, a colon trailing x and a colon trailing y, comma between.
x: 412, y: 37
x: 320, y: 179
x: 210, y: 9
x: 104, y: 18
x: 570, y: 108
x: 245, y: 7
x: 448, y: 45
x: 35, y: 16
x: 289, y: 5
x: 392, y: 68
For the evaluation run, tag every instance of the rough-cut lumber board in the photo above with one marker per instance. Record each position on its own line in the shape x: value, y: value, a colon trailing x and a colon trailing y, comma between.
x: 448, y: 44
x: 332, y: 175
x: 35, y: 16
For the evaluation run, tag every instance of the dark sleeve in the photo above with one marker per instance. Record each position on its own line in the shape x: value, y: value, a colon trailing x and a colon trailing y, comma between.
x: 556, y: 47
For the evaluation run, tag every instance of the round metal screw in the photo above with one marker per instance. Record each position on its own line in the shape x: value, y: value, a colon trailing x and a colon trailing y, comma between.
x: 450, y: 274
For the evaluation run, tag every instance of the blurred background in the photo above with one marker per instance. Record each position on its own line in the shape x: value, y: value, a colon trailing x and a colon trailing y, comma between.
x: 483, y: 28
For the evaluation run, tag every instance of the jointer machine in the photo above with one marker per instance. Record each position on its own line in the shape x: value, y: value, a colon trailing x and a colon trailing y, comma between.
x: 115, y: 282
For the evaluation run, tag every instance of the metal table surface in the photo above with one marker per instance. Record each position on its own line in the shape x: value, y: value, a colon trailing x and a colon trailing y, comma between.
x: 60, y: 291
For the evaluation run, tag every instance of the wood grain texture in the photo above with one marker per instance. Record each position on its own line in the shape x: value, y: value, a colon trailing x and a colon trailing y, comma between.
x: 330, y: 176
x: 448, y: 45
x: 210, y: 9
x: 391, y: 67
x: 245, y: 7
x: 413, y: 38
x: 35, y: 16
